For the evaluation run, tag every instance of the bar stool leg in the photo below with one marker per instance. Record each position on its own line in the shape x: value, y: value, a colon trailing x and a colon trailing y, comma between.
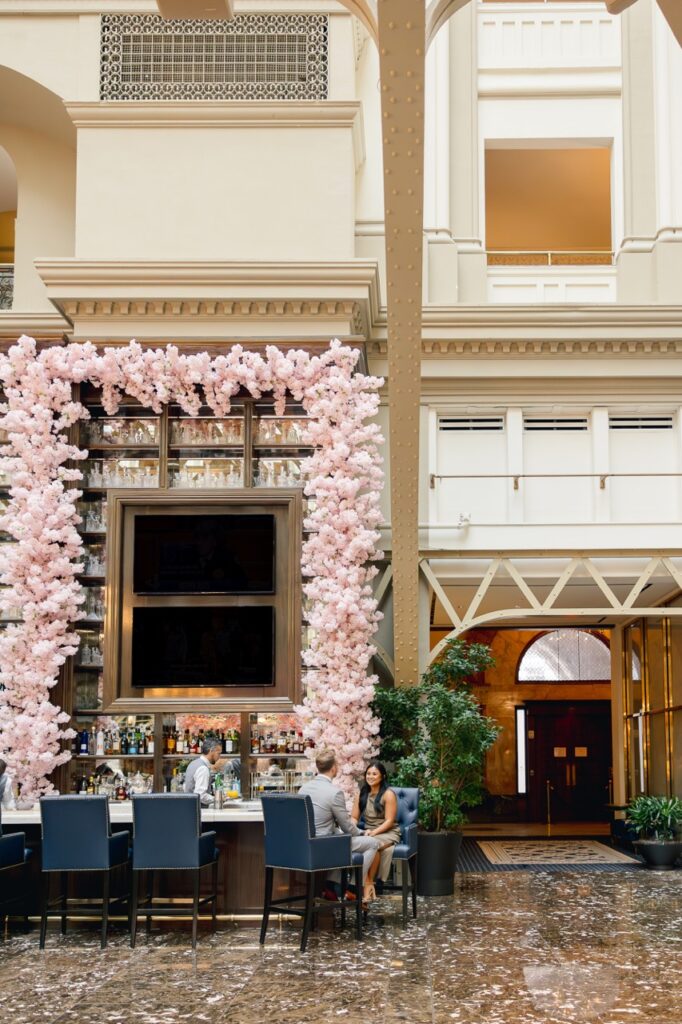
x: 267, y: 899
x: 413, y: 873
x: 358, y: 902
x: 309, y: 902
x: 150, y: 901
x: 43, y: 915
x: 344, y: 889
x: 64, y: 881
x: 106, y: 886
x: 195, y: 908
x: 404, y: 871
x: 133, y: 908
x: 214, y: 881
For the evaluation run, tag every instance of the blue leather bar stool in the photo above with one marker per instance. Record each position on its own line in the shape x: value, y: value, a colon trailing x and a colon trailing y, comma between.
x: 167, y: 836
x: 76, y: 837
x: 13, y: 856
x: 291, y: 843
x: 405, y: 852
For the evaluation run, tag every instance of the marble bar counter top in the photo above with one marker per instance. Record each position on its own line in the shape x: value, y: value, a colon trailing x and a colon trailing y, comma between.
x: 122, y: 814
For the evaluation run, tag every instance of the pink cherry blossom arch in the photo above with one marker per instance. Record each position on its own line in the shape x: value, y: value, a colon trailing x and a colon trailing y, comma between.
x: 40, y: 571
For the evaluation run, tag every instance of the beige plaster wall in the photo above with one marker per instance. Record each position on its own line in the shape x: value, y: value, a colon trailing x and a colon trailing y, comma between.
x: 215, y: 193
x: 46, y: 190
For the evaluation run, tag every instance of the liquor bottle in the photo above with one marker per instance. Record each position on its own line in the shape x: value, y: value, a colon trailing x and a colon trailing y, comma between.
x: 91, y: 786
x: 200, y: 740
x: 188, y: 742
x: 236, y: 740
x: 115, y: 741
x: 84, y: 787
x: 133, y: 743
x: 255, y: 739
x: 172, y: 742
x: 150, y: 741
x: 224, y: 738
x: 99, y: 742
x: 92, y: 740
x: 124, y: 742
x: 282, y: 742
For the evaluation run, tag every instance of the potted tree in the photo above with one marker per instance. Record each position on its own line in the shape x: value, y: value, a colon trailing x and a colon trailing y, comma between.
x: 657, y: 821
x: 436, y: 738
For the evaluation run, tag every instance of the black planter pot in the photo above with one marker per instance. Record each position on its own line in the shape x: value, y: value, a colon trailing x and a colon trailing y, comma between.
x: 659, y: 854
x: 437, y: 861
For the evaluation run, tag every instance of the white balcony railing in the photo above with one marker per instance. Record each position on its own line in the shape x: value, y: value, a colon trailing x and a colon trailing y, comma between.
x: 548, y: 279
x: 6, y: 285
x: 539, y: 35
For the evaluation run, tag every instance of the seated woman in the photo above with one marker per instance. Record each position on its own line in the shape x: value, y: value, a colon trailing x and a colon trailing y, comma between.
x: 378, y: 805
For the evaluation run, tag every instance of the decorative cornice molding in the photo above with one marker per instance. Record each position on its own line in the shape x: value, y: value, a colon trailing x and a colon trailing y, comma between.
x: 42, y: 326
x: 186, y: 114
x: 110, y: 294
x: 540, y: 347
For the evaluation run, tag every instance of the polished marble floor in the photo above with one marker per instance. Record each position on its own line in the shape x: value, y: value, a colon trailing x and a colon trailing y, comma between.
x: 512, y: 948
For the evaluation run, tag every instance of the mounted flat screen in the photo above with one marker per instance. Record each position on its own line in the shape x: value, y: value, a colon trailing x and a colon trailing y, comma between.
x: 204, y: 554
x: 203, y: 646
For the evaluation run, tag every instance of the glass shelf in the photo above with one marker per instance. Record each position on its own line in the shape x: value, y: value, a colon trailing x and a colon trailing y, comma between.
x: 204, y: 431
x: 209, y: 473
x: 120, y: 472
x: 281, y: 472
x: 120, y: 432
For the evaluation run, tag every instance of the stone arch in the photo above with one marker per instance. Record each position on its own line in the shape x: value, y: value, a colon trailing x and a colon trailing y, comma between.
x: 37, y: 134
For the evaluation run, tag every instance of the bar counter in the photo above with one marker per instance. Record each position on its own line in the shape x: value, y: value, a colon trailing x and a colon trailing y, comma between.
x: 239, y: 836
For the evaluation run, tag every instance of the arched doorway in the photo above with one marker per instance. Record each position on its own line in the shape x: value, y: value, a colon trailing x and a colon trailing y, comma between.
x: 567, y: 739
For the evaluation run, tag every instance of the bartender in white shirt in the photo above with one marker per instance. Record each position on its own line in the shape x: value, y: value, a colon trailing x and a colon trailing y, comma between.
x: 6, y: 793
x: 198, y: 774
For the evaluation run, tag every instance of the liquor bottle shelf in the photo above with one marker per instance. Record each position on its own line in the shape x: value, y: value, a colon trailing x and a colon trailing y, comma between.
x: 117, y: 757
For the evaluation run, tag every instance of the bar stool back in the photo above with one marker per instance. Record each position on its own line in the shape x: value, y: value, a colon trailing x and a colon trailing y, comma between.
x: 13, y: 855
x: 76, y: 837
x: 167, y: 837
x: 405, y: 852
x: 291, y: 843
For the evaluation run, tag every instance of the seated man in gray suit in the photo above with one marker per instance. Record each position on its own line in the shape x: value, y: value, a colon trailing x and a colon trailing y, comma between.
x: 331, y: 815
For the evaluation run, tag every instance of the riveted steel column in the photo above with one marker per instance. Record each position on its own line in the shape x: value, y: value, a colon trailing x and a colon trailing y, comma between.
x: 401, y: 25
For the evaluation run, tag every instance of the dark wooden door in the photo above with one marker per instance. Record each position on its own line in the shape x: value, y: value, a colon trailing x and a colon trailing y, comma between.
x: 569, y: 748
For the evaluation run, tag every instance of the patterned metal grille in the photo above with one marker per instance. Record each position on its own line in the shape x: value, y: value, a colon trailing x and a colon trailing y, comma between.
x: 252, y: 57
x: 6, y: 285
x: 566, y: 655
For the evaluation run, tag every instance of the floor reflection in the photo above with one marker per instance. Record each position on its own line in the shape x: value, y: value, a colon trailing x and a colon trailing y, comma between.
x: 512, y: 948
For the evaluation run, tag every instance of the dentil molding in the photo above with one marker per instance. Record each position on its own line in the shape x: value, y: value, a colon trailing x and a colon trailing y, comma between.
x: 205, y: 299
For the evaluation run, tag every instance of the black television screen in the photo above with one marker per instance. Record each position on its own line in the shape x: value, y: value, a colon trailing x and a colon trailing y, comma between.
x: 203, y: 646
x: 204, y: 554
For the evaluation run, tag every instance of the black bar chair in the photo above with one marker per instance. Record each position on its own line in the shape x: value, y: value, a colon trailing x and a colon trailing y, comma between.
x: 167, y: 836
x: 77, y: 837
x: 14, y: 857
x: 291, y: 843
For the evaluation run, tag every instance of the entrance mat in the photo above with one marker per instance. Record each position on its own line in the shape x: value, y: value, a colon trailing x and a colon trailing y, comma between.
x: 567, y: 852
x: 471, y: 858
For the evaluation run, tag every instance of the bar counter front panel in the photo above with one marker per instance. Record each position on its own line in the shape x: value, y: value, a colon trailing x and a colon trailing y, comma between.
x: 239, y: 836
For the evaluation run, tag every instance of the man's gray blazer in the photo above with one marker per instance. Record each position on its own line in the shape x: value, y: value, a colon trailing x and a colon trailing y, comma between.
x: 329, y: 805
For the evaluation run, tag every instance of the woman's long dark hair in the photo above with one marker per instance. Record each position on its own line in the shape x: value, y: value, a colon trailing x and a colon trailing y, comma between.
x: 383, y: 786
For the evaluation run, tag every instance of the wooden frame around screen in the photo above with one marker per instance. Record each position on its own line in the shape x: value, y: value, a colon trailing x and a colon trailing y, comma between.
x: 286, y: 506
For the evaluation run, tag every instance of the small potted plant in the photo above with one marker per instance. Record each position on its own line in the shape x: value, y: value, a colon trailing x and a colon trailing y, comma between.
x: 657, y: 820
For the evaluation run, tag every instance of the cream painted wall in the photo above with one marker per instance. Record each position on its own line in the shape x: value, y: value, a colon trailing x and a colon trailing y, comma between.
x: 61, y: 53
x: 46, y: 174
x: 215, y: 193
